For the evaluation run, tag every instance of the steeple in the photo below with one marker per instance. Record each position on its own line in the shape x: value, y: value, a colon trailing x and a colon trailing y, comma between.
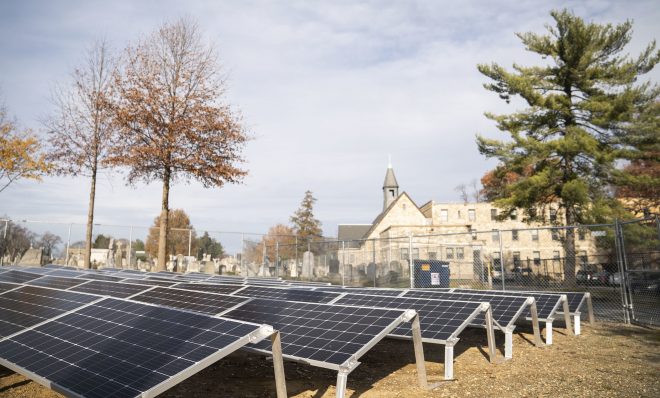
x: 390, y: 186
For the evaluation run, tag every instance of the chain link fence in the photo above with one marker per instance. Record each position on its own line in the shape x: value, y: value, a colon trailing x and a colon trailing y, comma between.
x: 618, y: 264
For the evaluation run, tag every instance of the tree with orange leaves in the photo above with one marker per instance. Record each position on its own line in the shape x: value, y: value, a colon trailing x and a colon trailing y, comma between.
x: 173, y: 124
x: 20, y: 154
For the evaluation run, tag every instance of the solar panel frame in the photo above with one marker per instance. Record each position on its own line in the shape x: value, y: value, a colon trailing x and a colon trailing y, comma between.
x: 98, y: 277
x: 189, y: 300
x: 199, y: 361
x: 502, y: 319
x: 7, y: 286
x: 416, y: 304
x: 15, y: 276
x: 110, y: 288
x: 346, y: 365
x: 56, y: 282
x: 546, y: 306
x: 208, y: 288
x: 364, y: 290
x: 286, y: 294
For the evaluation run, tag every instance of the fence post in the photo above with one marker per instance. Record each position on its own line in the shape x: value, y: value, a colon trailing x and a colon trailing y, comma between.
x: 189, y: 241
x: 130, y: 246
x: 618, y: 243
x: 4, y: 244
x: 373, y: 259
x: 277, y: 259
x: 502, y: 272
x: 410, y: 260
x: 242, y: 251
x: 657, y: 224
x: 343, y: 263
x: 68, y: 243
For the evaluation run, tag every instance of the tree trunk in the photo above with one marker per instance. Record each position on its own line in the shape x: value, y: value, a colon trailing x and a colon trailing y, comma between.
x: 569, y: 247
x: 164, y: 218
x: 90, y: 220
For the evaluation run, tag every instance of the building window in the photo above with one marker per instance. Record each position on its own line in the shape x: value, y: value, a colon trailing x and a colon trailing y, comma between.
x: 514, y: 234
x: 535, y: 234
x: 444, y: 215
x: 584, y: 260
x: 472, y: 215
x: 514, y: 214
x: 493, y: 214
x: 404, y: 254
x: 459, y: 215
x: 516, y: 259
x: 582, y: 234
x: 495, y: 235
x: 474, y: 233
x: 450, y: 253
x: 556, y: 257
x: 553, y: 215
x: 555, y: 234
x: 433, y: 256
x: 497, y: 262
x: 351, y: 259
x: 391, y: 193
x: 460, y: 254
x: 537, y: 258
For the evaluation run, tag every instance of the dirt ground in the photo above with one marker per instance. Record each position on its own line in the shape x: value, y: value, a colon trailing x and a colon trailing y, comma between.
x: 605, y: 361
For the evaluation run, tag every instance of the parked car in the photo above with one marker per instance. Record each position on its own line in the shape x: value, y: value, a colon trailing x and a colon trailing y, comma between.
x: 647, y: 282
x: 497, y: 274
x: 584, y: 277
x: 615, y: 279
x: 600, y: 278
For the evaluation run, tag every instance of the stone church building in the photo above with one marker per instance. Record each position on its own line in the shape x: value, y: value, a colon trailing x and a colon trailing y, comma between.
x: 468, y: 235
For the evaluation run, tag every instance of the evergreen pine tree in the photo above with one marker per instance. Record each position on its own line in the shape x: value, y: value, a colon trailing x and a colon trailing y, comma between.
x: 565, y: 143
x: 305, y: 226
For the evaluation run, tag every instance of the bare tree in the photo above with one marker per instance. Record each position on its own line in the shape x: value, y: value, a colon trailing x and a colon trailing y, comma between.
x: 477, y: 193
x: 462, y: 190
x: 80, y: 130
x: 172, y: 122
x: 49, y: 242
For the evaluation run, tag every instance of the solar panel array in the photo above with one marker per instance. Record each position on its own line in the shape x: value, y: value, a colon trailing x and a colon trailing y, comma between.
x: 14, y: 276
x: 287, y: 294
x: 211, y: 288
x: 546, y: 304
x: 506, y: 309
x: 370, y: 291
x: 206, y: 303
x: 330, y: 334
x: 440, y: 320
x: 113, y: 289
x: 56, y: 282
x: 116, y: 348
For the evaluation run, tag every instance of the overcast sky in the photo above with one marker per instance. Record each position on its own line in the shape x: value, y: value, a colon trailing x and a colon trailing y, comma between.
x: 328, y: 89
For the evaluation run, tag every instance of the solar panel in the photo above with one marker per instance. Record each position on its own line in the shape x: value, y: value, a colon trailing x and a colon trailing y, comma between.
x: 8, y: 286
x: 113, y: 289
x: 368, y: 291
x: 575, y: 299
x: 506, y: 309
x: 14, y: 276
x: 441, y: 320
x: 201, y: 287
x: 30, y: 305
x: 546, y: 304
x: 56, y: 282
x: 98, y: 277
x: 323, y: 335
x: 206, y: 303
x: 287, y: 294
x: 65, y: 273
x: 148, y: 282
x: 116, y: 348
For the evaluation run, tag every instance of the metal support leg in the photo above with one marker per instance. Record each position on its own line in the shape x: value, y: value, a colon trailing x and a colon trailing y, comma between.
x: 490, y: 334
x: 535, y: 324
x: 576, y: 324
x: 278, y: 365
x: 342, y: 376
x: 590, y: 309
x: 548, y: 333
x: 419, y: 353
x: 508, y: 344
x: 449, y: 362
x: 567, y: 316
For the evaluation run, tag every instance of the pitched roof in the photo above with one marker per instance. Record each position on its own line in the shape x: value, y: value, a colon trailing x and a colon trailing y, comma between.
x: 352, y: 231
x: 390, y: 179
x: 382, y: 215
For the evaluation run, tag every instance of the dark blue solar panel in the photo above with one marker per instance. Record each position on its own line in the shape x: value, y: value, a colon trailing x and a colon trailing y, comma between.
x: 116, y: 348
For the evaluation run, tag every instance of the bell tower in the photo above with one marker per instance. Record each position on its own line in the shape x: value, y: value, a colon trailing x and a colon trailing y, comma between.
x: 390, y: 186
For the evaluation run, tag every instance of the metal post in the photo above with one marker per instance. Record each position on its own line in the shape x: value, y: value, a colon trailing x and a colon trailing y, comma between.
x: 130, y: 246
x: 297, y: 255
x: 535, y: 323
x: 449, y: 360
x: 244, y: 271
x: 278, y: 365
x: 68, y: 243
x: 620, y: 258
x: 502, y: 274
x: 567, y: 315
x: 548, y: 332
x: 590, y: 308
x: 419, y: 353
x: 4, y: 243
x: 373, y: 259
x: 189, y: 242
x: 490, y: 334
x: 343, y: 263
x: 410, y: 260
x: 277, y: 259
